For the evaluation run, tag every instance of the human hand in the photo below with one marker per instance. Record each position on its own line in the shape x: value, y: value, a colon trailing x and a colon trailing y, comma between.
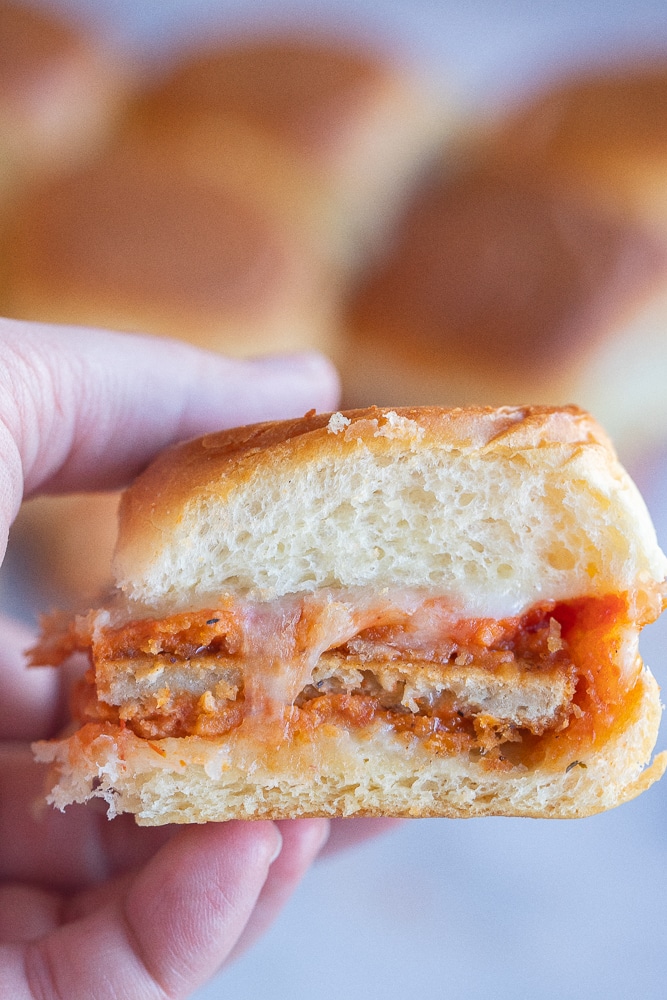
x: 91, y: 908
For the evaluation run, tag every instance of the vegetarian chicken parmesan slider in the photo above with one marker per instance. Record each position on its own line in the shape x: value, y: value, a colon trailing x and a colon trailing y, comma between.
x: 415, y: 612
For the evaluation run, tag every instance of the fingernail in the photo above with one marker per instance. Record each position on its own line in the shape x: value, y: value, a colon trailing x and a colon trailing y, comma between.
x: 325, y: 833
x: 278, y: 847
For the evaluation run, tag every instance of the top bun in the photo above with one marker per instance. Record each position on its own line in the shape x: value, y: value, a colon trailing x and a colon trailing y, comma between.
x: 494, y: 508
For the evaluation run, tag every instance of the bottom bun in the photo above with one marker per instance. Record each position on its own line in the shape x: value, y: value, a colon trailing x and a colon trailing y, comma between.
x: 371, y: 771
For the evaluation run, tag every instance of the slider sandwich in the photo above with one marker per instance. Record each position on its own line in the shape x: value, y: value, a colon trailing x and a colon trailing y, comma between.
x: 415, y: 612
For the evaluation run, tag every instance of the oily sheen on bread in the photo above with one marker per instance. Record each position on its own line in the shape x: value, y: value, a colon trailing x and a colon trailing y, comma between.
x: 415, y: 612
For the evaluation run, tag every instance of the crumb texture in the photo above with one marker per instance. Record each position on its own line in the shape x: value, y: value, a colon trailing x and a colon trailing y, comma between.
x: 497, y: 510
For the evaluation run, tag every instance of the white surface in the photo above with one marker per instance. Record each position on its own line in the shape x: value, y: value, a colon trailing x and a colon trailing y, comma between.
x: 487, y: 908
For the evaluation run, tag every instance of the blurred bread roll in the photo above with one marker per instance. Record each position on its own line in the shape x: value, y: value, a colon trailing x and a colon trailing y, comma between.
x: 132, y: 241
x: 60, y: 549
x: 511, y: 280
x: 61, y: 87
x: 603, y: 131
x: 311, y: 116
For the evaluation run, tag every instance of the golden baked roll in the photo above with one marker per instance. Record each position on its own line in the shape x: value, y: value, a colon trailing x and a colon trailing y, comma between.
x: 61, y: 87
x: 334, y: 128
x: 603, y: 131
x: 131, y: 241
x: 410, y: 612
x: 505, y: 283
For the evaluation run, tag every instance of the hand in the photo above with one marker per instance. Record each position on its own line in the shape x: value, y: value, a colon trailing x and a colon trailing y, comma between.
x: 91, y: 908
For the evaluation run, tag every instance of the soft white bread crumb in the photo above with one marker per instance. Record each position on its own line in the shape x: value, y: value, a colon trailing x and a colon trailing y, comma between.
x: 497, y: 509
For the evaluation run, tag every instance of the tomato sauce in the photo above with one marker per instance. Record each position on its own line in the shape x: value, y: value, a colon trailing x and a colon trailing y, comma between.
x: 589, y: 633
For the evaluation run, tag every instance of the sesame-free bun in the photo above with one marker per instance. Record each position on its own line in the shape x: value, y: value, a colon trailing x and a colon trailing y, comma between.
x: 509, y: 287
x: 487, y: 506
x: 602, y: 130
x: 493, y: 512
x: 534, y: 272
x: 61, y: 88
x: 335, y: 127
x: 132, y: 242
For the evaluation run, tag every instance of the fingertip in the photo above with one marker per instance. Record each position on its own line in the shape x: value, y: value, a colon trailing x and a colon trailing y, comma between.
x: 303, y: 839
x: 315, y: 371
x: 193, y: 900
x: 278, y: 846
x: 312, y: 834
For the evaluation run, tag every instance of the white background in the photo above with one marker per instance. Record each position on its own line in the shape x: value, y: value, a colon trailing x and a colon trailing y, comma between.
x: 490, y: 909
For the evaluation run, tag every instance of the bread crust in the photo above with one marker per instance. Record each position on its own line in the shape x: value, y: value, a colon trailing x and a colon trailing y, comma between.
x: 220, y: 462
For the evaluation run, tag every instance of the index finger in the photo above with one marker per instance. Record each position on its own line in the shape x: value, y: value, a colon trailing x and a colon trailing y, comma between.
x: 87, y: 409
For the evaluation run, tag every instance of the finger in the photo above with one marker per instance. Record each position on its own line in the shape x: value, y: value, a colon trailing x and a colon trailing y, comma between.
x: 82, y: 904
x: 69, y: 850
x: 27, y: 913
x: 303, y: 840
x: 346, y: 833
x: 30, y: 700
x: 86, y: 409
x: 172, y: 930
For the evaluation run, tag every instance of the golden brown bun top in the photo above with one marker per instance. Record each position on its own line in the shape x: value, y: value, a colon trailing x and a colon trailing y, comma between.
x: 218, y: 461
x: 305, y: 92
x: 134, y: 228
x: 608, y: 113
x: 33, y: 43
x: 495, y: 268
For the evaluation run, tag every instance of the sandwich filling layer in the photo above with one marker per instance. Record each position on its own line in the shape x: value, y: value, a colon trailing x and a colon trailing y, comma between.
x: 523, y: 691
